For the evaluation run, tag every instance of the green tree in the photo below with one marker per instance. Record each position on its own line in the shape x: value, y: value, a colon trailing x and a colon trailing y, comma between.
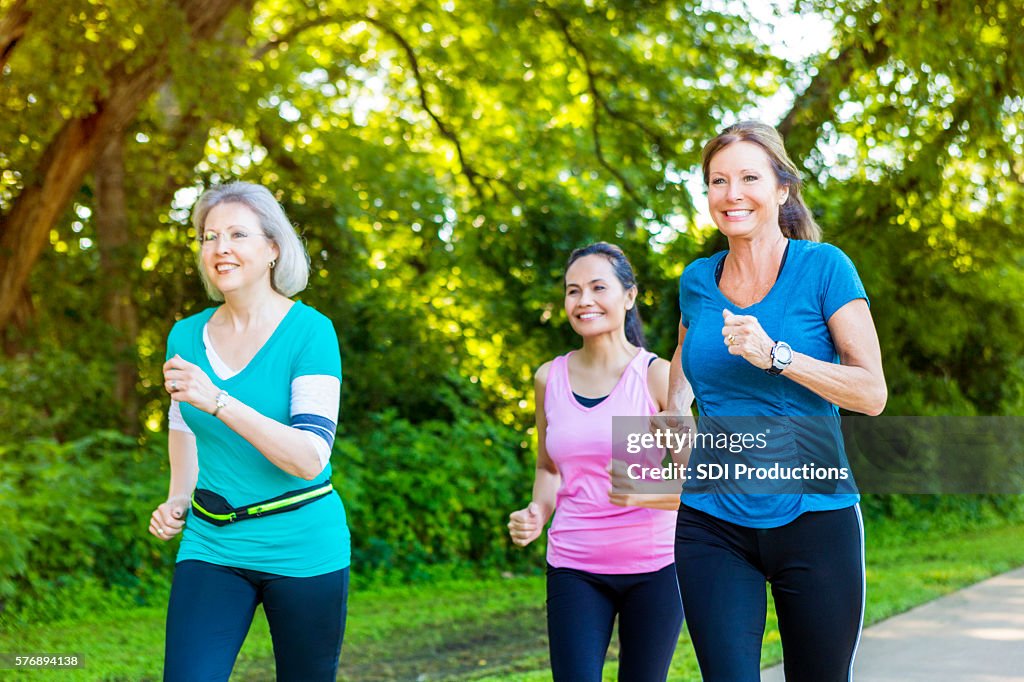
x: 442, y: 160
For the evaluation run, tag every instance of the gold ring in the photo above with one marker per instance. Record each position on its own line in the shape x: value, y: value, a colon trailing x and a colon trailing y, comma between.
x: 729, y: 339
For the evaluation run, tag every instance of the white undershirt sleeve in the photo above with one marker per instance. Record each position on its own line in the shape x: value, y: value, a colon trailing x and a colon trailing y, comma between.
x: 175, y: 422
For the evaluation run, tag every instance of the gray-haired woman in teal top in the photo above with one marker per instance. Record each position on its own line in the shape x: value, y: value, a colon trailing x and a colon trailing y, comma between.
x: 255, y: 386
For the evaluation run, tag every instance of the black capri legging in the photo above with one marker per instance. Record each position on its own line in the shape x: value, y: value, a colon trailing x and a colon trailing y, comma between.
x: 815, y: 565
x: 581, y: 613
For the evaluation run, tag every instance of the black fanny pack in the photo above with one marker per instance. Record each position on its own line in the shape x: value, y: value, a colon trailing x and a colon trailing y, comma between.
x: 211, y: 507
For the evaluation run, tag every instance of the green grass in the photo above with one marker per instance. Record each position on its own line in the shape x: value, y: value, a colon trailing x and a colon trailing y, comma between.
x: 492, y: 628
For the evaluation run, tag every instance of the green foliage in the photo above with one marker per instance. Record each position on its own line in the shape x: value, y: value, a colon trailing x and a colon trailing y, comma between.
x: 433, y: 492
x: 911, y: 516
x: 440, y: 192
x: 36, y: 396
x: 74, y: 515
x: 918, y: 173
x: 441, y: 160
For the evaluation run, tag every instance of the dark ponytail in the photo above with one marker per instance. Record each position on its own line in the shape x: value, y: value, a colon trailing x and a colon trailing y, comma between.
x: 635, y: 327
x: 624, y: 271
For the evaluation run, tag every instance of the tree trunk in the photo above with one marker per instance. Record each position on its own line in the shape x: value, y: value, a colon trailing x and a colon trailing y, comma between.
x: 59, y: 173
x: 12, y: 28
x: 116, y: 258
x: 14, y: 334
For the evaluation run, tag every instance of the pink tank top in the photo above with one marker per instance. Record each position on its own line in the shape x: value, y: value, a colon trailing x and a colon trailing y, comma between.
x: 589, y: 533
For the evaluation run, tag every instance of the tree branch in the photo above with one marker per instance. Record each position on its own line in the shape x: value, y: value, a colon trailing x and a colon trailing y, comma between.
x: 626, y: 186
x: 598, y: 103
x: 274, y: 151
x: 814, y: 106
x: 294, y: 32
x: 467, y: 170
x: 477, y: 179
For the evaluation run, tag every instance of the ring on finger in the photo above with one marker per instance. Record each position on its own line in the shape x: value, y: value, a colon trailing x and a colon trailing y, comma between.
x: 174, y: 385
x: 160, y: 531
x: 729, y: 339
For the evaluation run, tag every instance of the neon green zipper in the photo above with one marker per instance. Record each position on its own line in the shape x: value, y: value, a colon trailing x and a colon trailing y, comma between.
x: 261, y: 508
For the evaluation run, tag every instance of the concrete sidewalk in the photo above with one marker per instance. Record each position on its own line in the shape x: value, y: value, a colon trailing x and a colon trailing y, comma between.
x: 974, y: 635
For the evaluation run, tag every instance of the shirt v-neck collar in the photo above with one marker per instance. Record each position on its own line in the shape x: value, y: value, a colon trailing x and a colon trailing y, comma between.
x: 720, y: 266
x: 217, y: 364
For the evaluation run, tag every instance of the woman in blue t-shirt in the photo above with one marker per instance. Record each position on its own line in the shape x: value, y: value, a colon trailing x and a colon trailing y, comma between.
x: 255, y: 385
x: 775, y: 336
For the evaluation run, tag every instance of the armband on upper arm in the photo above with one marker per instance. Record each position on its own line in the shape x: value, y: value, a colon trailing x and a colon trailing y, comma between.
x: 314, y: 408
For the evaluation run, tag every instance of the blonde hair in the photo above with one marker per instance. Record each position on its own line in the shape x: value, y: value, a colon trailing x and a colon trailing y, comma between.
x: 795, y: 218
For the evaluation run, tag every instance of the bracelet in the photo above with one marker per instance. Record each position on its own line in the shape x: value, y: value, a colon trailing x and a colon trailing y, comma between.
x: 222, y: 400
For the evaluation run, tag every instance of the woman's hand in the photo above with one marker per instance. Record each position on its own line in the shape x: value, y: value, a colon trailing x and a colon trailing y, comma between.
x: 168, y: 519
x: 670, y: 420
x: 627, y: 491
x: 526, y: 525
x: 745, y: 337
x: 188, y: 384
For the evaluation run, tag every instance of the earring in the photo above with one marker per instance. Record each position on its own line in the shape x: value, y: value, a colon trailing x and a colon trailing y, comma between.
x: 273, y: 263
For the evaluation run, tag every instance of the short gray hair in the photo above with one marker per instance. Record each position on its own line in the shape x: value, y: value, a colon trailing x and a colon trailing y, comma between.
x: 291, y: 272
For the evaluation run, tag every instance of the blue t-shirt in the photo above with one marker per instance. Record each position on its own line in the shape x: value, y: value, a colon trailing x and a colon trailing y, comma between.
x: 816, y: 281
x: 308, y: 541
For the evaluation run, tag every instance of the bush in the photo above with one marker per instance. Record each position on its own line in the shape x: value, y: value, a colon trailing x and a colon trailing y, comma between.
x: 35, y: 400
x: 74, y: 515
x: 422, y: 499
x: 907, y: 516
x: 433, y: 493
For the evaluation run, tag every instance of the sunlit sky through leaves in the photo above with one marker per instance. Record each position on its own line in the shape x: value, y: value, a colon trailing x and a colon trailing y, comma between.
x: 794, y: 37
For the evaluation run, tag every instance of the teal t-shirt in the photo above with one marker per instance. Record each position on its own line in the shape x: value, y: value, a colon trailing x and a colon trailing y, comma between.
x: 816, y: 280
x: 308, y: 541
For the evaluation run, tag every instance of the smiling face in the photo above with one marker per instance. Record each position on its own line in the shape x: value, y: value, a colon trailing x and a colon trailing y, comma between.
x: 595, y: 300
x: 744, y: 195
x: 236, y: 253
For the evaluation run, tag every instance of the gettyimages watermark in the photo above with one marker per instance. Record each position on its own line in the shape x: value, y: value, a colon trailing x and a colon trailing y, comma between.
x: 676, y: 441
x: 820, y: 455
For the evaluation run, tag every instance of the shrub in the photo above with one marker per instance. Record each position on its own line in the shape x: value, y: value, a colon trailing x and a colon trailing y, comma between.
x: 431, y: 493
x: 76, y: 513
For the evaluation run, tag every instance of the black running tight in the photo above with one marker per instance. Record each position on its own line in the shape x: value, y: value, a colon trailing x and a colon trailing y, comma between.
x: 815, y: 566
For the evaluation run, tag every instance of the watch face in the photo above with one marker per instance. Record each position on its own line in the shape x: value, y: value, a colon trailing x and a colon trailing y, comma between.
x: 783, y: 353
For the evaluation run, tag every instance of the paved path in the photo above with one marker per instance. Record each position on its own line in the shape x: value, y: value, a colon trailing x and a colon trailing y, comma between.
x: 974, y: 635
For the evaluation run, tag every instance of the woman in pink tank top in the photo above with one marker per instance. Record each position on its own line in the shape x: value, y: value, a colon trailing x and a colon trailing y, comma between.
x: 606, y: 557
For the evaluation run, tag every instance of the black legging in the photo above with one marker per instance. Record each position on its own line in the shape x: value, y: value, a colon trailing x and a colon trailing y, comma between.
x: 581, y: 613
x: 211, y: 608
x: 815, y: 565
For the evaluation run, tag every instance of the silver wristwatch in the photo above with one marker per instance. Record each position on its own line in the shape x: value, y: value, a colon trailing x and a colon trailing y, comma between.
x: 222, y: 400
x: 782, y: 357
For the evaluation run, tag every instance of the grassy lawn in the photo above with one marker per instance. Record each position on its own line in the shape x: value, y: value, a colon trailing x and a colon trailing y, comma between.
x: 493, y: 628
